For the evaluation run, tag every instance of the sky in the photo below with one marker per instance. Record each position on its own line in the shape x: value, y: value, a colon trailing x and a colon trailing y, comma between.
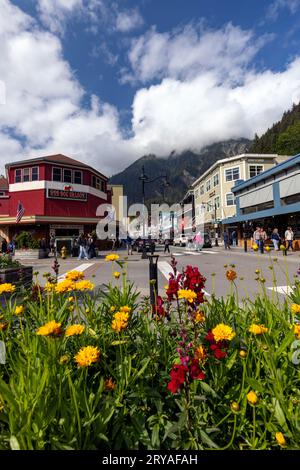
x: 107, y: 82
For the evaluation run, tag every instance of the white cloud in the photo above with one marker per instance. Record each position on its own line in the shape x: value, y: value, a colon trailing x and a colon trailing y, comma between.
x: 54, y: 13
x: 274, y: 8
x: 128, y: 20
x: 187, y: 52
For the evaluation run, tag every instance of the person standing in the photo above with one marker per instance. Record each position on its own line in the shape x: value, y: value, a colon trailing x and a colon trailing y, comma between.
x: 52, y: 245
x: 129, y: 244
x: 226, y: 240
x: 82, y: 243
x: 234, y: 238
x: 263, y: 238
x: 256, y: 236
x: 91, y: 247
x: 275, y: 239
x: 167, y: 245
x: 289, y: 237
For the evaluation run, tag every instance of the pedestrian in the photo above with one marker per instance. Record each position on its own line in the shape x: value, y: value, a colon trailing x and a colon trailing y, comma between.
x: 256, y: 236
x: 4, y: 247
x: 263, y: 238
x: 167, y: 245
x: 91, y: 247
x: 74, y: 249
x: 289, y: 237
x: 275, y: 239
x: 129, y: 244
x: 226, y: 240
x: 52, y: 245
x: 82, y: 243
x: 234, y: 238
x: 114, y: 241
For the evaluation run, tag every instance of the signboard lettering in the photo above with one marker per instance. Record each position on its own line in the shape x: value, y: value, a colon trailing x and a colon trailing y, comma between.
x: 61, y: 194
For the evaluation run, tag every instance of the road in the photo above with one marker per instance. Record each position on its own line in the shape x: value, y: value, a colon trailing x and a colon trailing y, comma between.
x: 212, y: 263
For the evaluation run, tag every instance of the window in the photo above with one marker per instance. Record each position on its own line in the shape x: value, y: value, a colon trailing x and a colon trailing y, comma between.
x: 77, y: 177
x: 208, y: 206
x: 35, y: 173
x: 216, y: 179
x: 18, y: 176
x: 217, y: 202
x: 232, y: 174
x: 202, y: 189
x: 102, y: 186
x: 255, y: 170
x: 26, y: 175
x: 56, y: 174
x: 230, y: 200
x: 98, y: 183
x: 67, y: 175
x: 208, y: 185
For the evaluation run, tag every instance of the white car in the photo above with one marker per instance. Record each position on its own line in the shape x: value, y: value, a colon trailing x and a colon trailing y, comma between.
x: 181, y: 240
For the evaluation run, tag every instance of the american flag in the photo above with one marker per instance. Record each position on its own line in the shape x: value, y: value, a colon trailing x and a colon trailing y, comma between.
x: 20, y: 212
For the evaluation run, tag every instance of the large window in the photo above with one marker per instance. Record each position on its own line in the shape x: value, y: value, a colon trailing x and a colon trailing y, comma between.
x: 18, y: 175
x: 216, y: 179
x: 77, y: 177
x: 232, y: 174
x: 35, y: 173
x: 230, y: 200
x: 67, y: 175
x: 56, y: 174
x: 255, y: 170
x: 208, y: 185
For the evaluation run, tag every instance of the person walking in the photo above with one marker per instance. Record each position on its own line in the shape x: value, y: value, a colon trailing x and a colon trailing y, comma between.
x: 275, y: 239
x: 129, y: 244
x: 226, y: 240
x: 256, y: 236
x: 289, y: 237
x: 234, y: 238
x: 263, y: 238
x: 82, y: 243
x: 91, y: 247
x: 167, y: 245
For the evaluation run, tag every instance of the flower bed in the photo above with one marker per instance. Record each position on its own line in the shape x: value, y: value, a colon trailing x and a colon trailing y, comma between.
x: 109, y: 373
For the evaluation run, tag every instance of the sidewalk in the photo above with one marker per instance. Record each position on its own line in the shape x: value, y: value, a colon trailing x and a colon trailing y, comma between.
x: 291, y: 256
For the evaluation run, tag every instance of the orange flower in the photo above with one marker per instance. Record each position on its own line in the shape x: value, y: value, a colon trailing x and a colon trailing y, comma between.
x: 109, y: 384
x: 231, y: 275
x: 200, y: 354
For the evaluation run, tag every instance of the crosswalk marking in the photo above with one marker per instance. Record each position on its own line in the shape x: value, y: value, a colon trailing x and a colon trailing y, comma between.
x: 195, y: 253
x: 165, y: 268
x: 284, y: 290
x: 83, y: 267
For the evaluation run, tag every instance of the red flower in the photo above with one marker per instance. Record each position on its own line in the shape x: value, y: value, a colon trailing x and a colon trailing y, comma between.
x: 195, y: 372
x: 173, y: 287
x: 178, y: 377
x: 217, y: 346
x: 195, y: 281
x: 159, y: 308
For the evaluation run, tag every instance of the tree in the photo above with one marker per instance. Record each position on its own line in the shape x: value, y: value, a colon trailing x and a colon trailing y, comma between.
x: 288, y: 142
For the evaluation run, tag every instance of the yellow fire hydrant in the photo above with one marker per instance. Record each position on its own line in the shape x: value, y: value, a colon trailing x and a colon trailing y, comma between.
x: 63, y: 252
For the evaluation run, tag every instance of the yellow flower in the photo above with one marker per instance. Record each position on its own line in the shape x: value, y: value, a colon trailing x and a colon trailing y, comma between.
x: 280, y: 439
x: 257, y: 271
x: 282, y: 247
x: 200, y: 354
x: 87, y: 356
x: 87, y: 310
x: 120, y: 321
x: 50, y: 328
x: 235, y: 406
x: 125, y: 309
x: 109, y: 384
x: 297, y: 330
x: 295, y: 308
x: 116, y: 274
x: 84, y: 285
x: 255, y: 247
x: 199, y: 317
x: 252, y: 398
x: 74, y: 330
x: 75, y: 275
x: 49, y: 286
x: 112, y: 257
x: 3, y: 325
x: 112, y: 309
x: 231, y: 275
x: 223, y: 332
x: 7, y: 288
x: 64, y: 359
x: 258, y: 329
x: 268, y: 249
x: 71, y: 299
x: 19, y: 310
x: 188, y: 295
x: 64, y: 286
x: 243, y: 353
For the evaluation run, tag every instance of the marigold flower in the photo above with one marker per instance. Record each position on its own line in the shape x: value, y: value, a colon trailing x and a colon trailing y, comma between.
x: 297, y: 330
x: 84, y: 285
x: 50, y: 287
x: 112, y: 257
x: 295, y: 308
x: 74, y: 330
x: 223, y: 332
x: 7, y: 288
x: 252, y: 398
x: 258, y: 329
x: 75, y: 275
x: 231, y: 275
x: 71, y: 299
x: 199, y: 317
x: 282, y: 247
x: 87, y: 355
x: 201, y: 354
x: 120, y: 321
x: 49, y: 329
x: 125, y: 309
x: 280, y: 439
x: 109, y: 384
x: 255, y: 247
x: 3, y: 325
x: 19, y: 310
x: 188, y: 295
x: 116, y: 274
x: 243, y: 353
x: 64, y: 286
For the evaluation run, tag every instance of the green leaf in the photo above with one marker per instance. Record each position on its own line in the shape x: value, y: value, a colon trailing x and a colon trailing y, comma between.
x: 14, y: 443
x: 231, y: 360
x: 207, y: 440
x: 118, y: 342
x: 255, y: 384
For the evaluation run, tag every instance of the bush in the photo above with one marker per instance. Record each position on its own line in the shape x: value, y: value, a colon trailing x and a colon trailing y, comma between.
x: 6, y: 261
x: 26, y: 240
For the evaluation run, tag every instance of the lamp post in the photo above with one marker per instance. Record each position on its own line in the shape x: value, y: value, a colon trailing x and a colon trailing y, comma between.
x: 145, y: 180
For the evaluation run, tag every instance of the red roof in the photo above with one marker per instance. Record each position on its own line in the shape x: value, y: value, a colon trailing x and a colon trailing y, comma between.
x: 58, y: 158
x: 3, y: 183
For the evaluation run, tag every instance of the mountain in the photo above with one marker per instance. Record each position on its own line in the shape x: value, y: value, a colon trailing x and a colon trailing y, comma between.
x: 283, y: 137
x: 182, y: 169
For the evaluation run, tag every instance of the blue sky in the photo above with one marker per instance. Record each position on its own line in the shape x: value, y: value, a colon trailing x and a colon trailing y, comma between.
x: 109, y: 81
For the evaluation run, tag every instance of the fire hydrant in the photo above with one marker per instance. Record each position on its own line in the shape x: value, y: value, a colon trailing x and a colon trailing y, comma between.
x: 63, y: 252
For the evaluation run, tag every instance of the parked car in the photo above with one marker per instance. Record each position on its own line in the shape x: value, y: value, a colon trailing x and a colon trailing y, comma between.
x: 139, y: 243
x: 181, y: 240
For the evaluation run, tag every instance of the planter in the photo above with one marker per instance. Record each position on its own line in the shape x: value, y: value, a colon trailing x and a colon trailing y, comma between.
x: 30, y: 253
x: 17, y: 276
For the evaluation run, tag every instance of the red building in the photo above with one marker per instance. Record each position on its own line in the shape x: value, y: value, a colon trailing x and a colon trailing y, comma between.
x: 59, y: 195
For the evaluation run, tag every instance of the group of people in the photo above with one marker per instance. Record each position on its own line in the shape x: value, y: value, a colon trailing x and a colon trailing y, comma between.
x: 83, y: 246
x: 260, y: 236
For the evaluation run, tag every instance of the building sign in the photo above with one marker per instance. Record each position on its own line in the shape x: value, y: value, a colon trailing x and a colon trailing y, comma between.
x: 68, y: 195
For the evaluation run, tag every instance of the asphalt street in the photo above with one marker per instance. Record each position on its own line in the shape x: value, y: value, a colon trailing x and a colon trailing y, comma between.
x: 277, y: 271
